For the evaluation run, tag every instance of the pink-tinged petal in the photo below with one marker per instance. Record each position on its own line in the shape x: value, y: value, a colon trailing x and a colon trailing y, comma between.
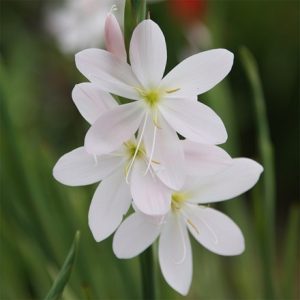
x: 235, y: 180
x: 149, y: 194
x: 113, y: 128
x: 114, y: 40
x: 110, y: 203
x: 91, y: 101
x: 175, y: 254
x: 81, y: 168
x: 203, y: 160
x: 168, y: 158
x: 214, y: 230
x: 194, y: 120
x: 200, y: 72
x: 112, y: 74
x: 148, y: 53
x: 135, y: 235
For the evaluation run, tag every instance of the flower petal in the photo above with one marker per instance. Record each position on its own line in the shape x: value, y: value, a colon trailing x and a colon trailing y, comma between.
x: 204, y: 160
x: 168, y: 157
x: 149, y: 194
x: 91, y: 101
x: 110, y: 202
x: 214, y: 230
x: 135, y: 235
x: 114, y: 40
x: 200, y: 72
x: 175, y: 254
x: 238, y: 178
x: 148, y: 53
x: 112, y: 74
x: 81, y: 168
x: 113, y: 128
x: 194, y: 120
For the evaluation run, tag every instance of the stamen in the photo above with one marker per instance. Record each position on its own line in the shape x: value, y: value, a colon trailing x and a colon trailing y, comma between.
x: 113, y: 8
x: 205, y: 224
x: 136, y: 149
x: 155, y: 162
x: 152, y: 150
x: 155, y: 119
x: 189, y: 221
x: 140, y: 91
x: 193, y: 225
x: 172, y: 91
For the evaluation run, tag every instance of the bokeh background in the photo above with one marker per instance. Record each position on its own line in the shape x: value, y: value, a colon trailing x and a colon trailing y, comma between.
x: 39, y: 123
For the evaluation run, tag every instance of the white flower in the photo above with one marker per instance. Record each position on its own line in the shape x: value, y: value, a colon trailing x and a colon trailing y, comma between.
x: 79, y: 24
x: 168, y: 102
x: 128, y: 163
x: 211, y: 228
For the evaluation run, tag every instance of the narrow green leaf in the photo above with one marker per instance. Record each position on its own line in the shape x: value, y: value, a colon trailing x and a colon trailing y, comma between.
x: 266, y: 203
x: 291, y: 255
x: 65, y: 272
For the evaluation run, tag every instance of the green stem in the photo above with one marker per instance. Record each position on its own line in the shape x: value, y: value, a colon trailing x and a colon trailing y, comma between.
x: 147, y: 270
x: 135, y: 12
x: 265, y: 208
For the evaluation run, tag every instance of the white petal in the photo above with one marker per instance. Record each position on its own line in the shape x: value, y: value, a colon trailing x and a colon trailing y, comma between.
x: 81, y: 168
x: 113, y: 128
x: 214, y: 230
x: 204, y: 160
x: 112, y: 74
x: 168, y: 157
x: 200, y: 72
x: 91, y: 101
x: 238, y: 178
x: 149, y: 194
x: 194, y: 120
x: 114, y: 40
x: 135, y: 235
x: 110, y: 202
x: 175, y: 254
x: 148, y: 53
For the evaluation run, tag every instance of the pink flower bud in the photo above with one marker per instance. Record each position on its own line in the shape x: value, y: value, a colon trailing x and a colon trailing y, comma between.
x: 114, y: 40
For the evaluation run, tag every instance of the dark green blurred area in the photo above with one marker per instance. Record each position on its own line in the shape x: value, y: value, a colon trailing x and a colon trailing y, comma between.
x: 39, y: 123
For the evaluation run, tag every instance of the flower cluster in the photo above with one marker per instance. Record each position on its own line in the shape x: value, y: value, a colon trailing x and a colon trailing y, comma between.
x: 135, y: 151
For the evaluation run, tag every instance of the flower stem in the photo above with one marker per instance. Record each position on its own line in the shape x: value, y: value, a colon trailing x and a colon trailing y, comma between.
x: 147, y: 271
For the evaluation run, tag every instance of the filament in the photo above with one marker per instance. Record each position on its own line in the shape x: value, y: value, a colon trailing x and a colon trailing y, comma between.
x: 136, y: 149
x: 152, y: 150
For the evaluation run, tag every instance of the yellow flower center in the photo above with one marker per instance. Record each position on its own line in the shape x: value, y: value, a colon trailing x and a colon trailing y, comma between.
x: 151, y: 97
x: 131, y: 149
x: 178, y: 199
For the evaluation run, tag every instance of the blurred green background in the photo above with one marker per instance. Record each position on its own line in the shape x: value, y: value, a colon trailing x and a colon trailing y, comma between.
x: 39, y: 123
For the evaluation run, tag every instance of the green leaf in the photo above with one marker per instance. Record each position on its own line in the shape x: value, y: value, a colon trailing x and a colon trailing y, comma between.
x: 291, y: 255
x: 65, y: 272
x: 265, y: 201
